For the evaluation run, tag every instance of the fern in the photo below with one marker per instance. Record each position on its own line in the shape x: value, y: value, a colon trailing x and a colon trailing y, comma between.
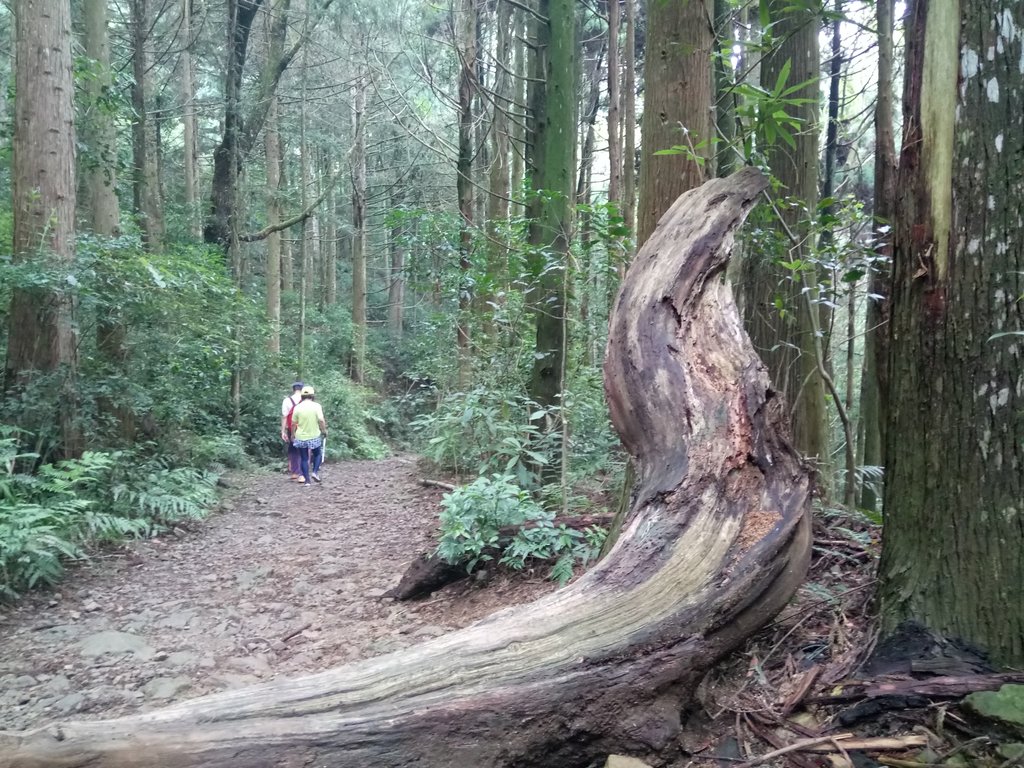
x: 65, y: 508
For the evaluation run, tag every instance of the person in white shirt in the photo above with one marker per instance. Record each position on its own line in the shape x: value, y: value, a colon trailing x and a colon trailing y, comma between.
x: 287, y: 405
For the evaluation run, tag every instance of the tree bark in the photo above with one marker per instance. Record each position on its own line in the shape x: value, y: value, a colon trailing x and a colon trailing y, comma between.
x: 465, y: 24
x: 725, y: 98
x: 100, y: 134
x: 716, y: 543
x: 226, y: 157
x: 189, y: 124
x: 955, y: 405
x: 272, y: 148
x: 787, y: 341
x: 629, y: 122
x: 677, y: 105
x: 614, y: 111
x: 873, y: 376
x: 359, y: 229
x: 145, y: 179
x: 42, y: 337
x: 552, y: 171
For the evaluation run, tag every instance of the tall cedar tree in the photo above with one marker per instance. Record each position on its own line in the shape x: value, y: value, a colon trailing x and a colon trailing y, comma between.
x: 42, y: 335
x: 955, y: 466
x: 553, y: 169
x: 786, y: 340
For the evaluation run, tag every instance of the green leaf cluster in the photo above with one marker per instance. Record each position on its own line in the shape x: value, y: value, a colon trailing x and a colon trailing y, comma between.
x: 65, y: 509
x: 473, y: 518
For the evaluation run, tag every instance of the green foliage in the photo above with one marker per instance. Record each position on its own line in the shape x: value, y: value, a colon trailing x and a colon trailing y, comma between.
x: 349, y: 410
x: 66, y: 508
x: 473, y: 516
x: 485, y: 431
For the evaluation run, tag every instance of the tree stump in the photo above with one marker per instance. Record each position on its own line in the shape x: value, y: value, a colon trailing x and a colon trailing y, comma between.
x: 716, y: 542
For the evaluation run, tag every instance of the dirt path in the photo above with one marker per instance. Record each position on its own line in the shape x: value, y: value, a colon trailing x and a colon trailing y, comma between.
x: 287, y: 580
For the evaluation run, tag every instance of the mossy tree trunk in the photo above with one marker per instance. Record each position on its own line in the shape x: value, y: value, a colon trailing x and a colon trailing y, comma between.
x: 553, y: 172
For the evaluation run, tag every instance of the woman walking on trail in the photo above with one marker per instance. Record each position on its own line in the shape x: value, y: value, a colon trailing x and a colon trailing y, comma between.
x: 287, y: 406
x: 308, y: 432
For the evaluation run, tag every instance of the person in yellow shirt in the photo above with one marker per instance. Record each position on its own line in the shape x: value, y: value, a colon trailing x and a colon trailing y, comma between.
x: 308, y: 432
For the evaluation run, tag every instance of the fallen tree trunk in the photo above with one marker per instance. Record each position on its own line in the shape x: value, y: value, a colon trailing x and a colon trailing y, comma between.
x: 716, y: 542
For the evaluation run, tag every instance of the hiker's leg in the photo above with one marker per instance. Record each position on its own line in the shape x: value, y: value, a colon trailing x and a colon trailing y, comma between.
x: 304, y: 462
x: 294, y: 463
x: 318, y: 457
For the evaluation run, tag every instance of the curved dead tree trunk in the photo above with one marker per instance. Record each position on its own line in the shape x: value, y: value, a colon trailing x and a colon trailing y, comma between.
x: 715, y: 544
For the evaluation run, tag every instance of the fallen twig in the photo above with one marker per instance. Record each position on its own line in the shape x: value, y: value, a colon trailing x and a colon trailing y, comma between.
x: 297, y: 630
x: 436, y: 484
x: 949, y: 687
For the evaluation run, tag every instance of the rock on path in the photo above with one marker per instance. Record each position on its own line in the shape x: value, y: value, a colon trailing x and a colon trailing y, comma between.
x: 287, y: 580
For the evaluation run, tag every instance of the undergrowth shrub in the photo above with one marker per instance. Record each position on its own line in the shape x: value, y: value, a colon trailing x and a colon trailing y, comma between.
x: 483, y: 431
x: 473, y: 516
x: 350, y: 411
x: 66, y: 508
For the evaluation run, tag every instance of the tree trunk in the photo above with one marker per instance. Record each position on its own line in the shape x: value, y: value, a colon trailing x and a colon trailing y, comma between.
x: 629, y: 121
x: 329, y: 240
x: 787, y: 341
x: 145, y: 180
x: 43, y: 338
x: 716, y: 543
x: 226, y: 157
x: 956, y: 395
x: 678, y: 93
x: 499, y: 178
x: 520, y: 64
x: 189, y: 124
x: 100, y: 134
x: 552, y: 170
x: 465, y: 23
x: 359, y: 229
x: 876, y: 316
x: 614, y: 112
x: 725, y: 98
x: 272, y: 148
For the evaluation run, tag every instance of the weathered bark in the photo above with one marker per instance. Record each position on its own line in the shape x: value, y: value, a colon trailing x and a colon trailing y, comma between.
x: 42, y: 337
x: 955, y: 405
x: 716, y: 543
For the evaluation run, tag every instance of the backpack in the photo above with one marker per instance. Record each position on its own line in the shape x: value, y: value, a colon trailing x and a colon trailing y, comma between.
x: 290, y: 412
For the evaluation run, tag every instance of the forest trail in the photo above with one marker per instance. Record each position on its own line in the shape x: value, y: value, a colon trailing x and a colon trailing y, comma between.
x: 285, y: 580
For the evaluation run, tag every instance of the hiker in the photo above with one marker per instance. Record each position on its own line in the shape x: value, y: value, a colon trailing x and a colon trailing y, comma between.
x: 308, y: 433
x: 287, y: 405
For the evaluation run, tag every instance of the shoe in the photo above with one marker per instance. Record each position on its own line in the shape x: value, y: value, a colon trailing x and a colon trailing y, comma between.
x: 300, y: 480
x: 316, y: 476
x: 295, y: 478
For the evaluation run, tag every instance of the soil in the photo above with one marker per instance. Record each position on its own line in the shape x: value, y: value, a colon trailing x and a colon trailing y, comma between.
x: 284, y: 580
